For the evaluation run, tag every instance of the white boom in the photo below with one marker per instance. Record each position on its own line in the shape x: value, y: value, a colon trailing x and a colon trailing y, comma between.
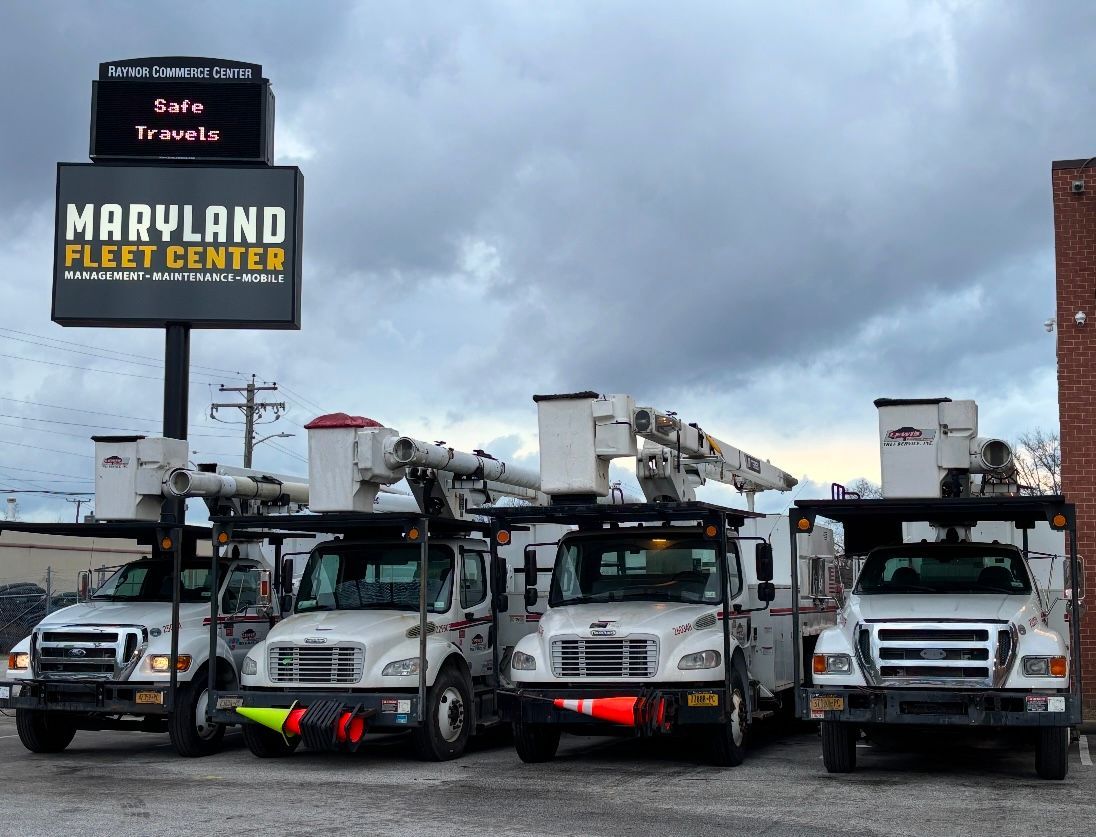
x: 406, y: 452
x: 186, y: 483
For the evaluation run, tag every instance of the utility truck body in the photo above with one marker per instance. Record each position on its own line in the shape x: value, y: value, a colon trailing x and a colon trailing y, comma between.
x: 947, y: 624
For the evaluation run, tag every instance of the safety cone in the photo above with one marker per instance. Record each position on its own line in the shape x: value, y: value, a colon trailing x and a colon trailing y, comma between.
x: 348, y: 728
x: 616, y: 710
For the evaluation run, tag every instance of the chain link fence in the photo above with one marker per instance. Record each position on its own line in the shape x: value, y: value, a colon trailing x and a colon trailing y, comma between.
x: 24, y: 602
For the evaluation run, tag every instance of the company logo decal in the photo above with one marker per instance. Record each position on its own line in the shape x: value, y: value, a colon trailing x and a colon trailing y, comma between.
x: 77, y: 652
x: 315, y: 640
x: 602, y: 628
x: 933, y: 654
x: 906, y: 436
x: 752, y: 463
x: 115, y: 462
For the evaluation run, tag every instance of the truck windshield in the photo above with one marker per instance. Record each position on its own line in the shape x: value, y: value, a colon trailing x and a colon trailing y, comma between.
x: 356, y: 576
x: 636, y: 568
x: 944, y: 568
x: 150, y: 581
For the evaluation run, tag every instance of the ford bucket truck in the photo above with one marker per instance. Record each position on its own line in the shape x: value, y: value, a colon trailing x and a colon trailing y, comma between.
x: 662, y: 616
x: 136, y: 653
x: 942, y: 630
x: 396, y: 623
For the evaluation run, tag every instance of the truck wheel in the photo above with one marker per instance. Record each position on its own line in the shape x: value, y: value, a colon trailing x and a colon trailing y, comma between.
x: 536, y: 742
x: 839, y: 747
x: 267, y: 744
x: 41, y: 731
x: 1052, y: 753
x: 447, y: 719
x: 729, y: 739
x: 191, y: 734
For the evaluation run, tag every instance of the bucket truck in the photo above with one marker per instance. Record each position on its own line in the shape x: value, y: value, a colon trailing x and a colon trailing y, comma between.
x: 398, y: 619
x: 137, y: 653
x: 946, y: 625
x: 664, y: 616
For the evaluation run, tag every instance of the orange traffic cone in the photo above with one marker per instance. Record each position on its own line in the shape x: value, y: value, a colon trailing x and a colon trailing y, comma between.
x: 616, y: 710
x: 348, y: 728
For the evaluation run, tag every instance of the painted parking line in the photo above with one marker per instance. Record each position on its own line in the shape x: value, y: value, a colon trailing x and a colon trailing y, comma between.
x: 1082, y: 745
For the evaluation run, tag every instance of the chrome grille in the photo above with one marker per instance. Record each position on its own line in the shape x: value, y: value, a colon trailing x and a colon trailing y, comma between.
x: 631, y: 657
x: 86, y: 652
x: 937, y: 654
x: 303, y: 664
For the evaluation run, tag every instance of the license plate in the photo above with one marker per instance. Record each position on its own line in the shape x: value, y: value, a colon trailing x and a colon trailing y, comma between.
x: 703, y: 699
x: 5, y: 692
x: 827, y: 703
x: 230, y: 702
x: 150, y: 697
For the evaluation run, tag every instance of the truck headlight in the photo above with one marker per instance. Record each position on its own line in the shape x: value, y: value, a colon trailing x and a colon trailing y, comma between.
x: 250, y: 666
x: 1045, y: 666
x: 162, y: 662
x: 18, y: 661
x: 523, y: 662
x: 401, y: 668
x: 831, y: 664
x: 701, y: 659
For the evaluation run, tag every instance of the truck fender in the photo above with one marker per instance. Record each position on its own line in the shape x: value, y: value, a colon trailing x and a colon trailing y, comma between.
x: 227, y: 677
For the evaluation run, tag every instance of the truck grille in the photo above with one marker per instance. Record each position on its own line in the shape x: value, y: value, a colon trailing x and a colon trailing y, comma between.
x: 84, y: 652
x: 300, y: 664
x: 634, y: 657
x: 963, y: 655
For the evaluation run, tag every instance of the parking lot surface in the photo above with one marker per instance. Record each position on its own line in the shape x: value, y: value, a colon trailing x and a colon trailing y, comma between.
x: 122, y: 783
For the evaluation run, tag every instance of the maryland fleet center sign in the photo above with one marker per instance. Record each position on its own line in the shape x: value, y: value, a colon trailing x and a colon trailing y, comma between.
x: 211, y: 246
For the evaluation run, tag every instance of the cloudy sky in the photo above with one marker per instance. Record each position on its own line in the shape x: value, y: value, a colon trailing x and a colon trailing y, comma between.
x: 762, y: 216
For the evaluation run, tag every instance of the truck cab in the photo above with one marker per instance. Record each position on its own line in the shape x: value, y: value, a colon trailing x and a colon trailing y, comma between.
x: 105, y: 663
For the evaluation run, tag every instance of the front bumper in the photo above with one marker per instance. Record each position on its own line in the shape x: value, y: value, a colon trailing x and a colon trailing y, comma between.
x: 686, y: 706
x: 86, y: 696
x: 939, y: 707
x: 388, y: 710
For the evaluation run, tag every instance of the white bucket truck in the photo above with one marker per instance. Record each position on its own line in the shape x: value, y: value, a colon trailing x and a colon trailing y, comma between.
x: 662, y: 616
x: 390, y: 596
x: 136, y: 653
x: 943, y: 630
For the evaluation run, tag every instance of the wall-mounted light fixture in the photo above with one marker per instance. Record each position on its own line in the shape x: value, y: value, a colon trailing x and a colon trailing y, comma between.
x: 1080, y: 318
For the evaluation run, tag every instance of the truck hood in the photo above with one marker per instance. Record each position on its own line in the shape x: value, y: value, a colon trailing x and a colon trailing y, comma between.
x: 978, y: 607
x: 149, y: 614
x: 623, y: 617
x: 340, y: 625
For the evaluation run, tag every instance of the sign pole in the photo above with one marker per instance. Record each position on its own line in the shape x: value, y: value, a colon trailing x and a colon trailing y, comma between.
x: 176, y: 401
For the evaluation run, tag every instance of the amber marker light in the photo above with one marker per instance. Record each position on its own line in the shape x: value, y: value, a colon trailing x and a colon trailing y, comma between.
x: 222, y: 538
x: 1058, y: 521
x: 818, y: 663
x: 710, y: 530
x: 412, y: 534
x: 804, y: 524
x: 166, y: 543
x: 503, y: 537
x: 1057, y: 666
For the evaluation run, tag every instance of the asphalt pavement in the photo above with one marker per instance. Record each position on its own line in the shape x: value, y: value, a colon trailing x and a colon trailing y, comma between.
x: 129, y: 783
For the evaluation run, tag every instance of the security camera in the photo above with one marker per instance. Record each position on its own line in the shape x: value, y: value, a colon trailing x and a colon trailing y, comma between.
x: 1080, y: 318
x: 1078, y: 186
x: 1049, y: 325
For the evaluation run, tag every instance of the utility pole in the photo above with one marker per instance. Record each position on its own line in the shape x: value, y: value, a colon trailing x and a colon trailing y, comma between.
x: 79, y: 501
x: 251, y: 409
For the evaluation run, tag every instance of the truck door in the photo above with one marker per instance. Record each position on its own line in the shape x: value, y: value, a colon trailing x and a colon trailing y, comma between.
x: 242, y: 624
x: 475, y: 606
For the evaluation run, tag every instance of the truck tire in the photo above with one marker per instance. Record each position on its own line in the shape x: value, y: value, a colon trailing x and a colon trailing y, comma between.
x: 267, y: 744
x: 536, y: 742
x: 446, y: 719
x: 191, y: 734
x: 839, y: 747
x: 728, y: 741
x: 1052, y: 752
x: 41, y: 731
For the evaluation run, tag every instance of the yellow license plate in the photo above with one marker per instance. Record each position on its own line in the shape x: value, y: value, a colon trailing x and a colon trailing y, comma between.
x: 827, y: 703
x: 150, y: 697
x: 704, y: 699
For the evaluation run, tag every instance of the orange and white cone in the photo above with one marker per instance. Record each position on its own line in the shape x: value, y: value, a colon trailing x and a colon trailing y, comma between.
x: 615, y: 710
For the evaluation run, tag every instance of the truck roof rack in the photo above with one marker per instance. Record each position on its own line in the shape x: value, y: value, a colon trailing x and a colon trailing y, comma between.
x: 347, y: 523
x: 590, y: 513
x: 146, y: 533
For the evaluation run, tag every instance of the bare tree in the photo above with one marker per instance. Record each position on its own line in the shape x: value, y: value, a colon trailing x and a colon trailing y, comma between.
x: 867, y: 489
x: 1039, y: 462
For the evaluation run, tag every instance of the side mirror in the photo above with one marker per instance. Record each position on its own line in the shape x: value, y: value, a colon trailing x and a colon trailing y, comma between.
x: 531, y: 594
x: 763, y: 562
x: 84, y: 586
x: 766, y: 592
x: 286, y: 578
x: 263, y: 600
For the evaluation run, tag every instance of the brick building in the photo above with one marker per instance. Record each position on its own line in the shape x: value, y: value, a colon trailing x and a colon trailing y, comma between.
x: 1074, y: 196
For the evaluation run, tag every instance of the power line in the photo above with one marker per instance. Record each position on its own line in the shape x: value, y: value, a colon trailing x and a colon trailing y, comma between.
x: 76, y: 409
x: 47, y: 450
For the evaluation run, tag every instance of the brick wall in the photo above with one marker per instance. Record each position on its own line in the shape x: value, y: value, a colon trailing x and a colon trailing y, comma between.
x: 1075, y: 263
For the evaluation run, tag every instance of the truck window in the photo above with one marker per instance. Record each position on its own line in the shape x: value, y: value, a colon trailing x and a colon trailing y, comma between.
x: 363, y: 576
x: 150, y: 581
x: 242, y: 590
x: 473, y: 580
x: 945, y: 568
x: 634, y: 567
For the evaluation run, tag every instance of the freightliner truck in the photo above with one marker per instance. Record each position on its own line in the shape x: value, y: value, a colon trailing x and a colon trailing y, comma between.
x: 944, y: 631
x: 663, y: 616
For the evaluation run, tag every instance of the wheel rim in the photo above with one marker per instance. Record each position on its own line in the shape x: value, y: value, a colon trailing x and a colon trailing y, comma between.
x: 451, y: 714
x: 738, y: 721
x: 204, y: 728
